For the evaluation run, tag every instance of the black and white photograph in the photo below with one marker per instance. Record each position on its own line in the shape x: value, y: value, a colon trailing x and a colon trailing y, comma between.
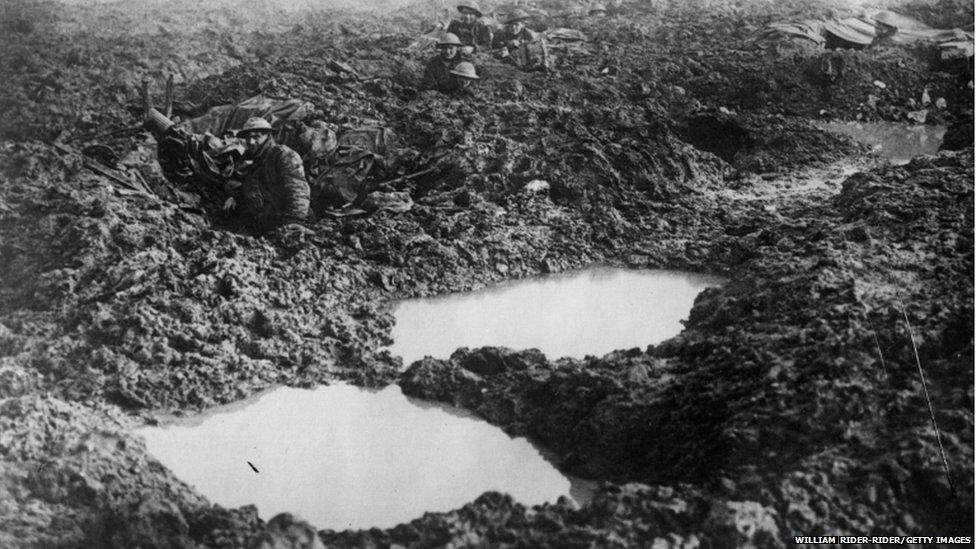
x: 664, y: 274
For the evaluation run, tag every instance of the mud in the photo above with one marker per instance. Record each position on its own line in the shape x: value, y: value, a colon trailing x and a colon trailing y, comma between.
x: 790, y: 405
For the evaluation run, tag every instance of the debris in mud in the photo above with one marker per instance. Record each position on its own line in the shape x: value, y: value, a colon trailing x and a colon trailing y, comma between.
x: 871, y: 29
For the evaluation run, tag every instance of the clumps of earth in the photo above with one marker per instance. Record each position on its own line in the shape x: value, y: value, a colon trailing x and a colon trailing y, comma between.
x: 791, y: 404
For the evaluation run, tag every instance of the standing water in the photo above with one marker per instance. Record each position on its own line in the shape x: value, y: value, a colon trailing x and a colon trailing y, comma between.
x: 588, y: 312
x: 343, y: 457
x: 897, y: 142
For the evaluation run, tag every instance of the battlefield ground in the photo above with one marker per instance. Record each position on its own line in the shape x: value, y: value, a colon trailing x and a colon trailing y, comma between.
x: 791, y: 403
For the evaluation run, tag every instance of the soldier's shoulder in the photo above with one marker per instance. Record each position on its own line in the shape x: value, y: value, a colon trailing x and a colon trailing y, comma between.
x: 287, y: 155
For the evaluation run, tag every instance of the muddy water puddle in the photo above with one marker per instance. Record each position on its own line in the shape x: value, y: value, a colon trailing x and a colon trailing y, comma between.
x: 897, y: 142
x: 588, y: 312
x: 343, y: 457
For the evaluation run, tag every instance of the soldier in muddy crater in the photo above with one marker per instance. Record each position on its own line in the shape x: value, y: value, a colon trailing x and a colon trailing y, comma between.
x: 437, y: 74
x: 471, y: 29
x: 464, y: 78
x: 512, y: 43
x: 515, y: 32
x: 275, y: 191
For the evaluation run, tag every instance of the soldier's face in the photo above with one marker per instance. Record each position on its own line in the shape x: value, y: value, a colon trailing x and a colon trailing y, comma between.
x: 448, y: 52
x: 516, y: 27
x: 253, y: 141
x: 468, y: 16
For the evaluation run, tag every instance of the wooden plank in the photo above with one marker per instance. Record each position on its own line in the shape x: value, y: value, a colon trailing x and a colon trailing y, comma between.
x: 169, y: 97
x: 146, y: 105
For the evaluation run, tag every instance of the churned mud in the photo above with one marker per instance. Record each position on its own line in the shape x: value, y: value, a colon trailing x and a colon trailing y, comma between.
x: 791, y: 404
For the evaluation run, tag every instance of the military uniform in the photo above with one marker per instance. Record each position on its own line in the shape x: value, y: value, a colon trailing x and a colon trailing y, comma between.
x: 275, y: 189
x: 524, y: 36
x: 437, y: 75
x: 520, y: 54
x: 477, y: 34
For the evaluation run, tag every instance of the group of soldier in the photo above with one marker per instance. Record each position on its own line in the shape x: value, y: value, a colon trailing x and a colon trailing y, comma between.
x: 452, y: 70
x: 275, y: 191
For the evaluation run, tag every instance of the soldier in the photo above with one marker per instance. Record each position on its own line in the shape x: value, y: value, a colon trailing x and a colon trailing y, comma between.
x: 471, y: 29
x: 463, y: 78
x: 437, y: 75
x: 275, y: 190
x: 515, y: 32
x: 514, y: 39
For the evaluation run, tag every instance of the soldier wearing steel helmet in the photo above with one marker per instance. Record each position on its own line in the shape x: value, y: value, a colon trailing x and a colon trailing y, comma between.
x: 463, y: 79
x: 276, y: 192
x: 437, y: 74
x: 512, y: 43
x: 515, y: 33
x: 474, y: 34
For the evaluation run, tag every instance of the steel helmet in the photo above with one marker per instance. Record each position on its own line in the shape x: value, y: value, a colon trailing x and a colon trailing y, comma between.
x: 255, y: 124
x: 465, y: 70
x: 449, y: 39
x: 598, y: 8
x: 516, y: 16
x: 470, y: 5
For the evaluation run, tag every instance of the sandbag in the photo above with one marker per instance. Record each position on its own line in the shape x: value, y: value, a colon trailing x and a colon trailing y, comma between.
x: 862, y: 32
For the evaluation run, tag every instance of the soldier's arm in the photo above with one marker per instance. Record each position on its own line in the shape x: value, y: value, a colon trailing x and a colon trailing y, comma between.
x: 500, y: 39
x: 252, y: 196
x: 484, y: 36
x: 294, y: 188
